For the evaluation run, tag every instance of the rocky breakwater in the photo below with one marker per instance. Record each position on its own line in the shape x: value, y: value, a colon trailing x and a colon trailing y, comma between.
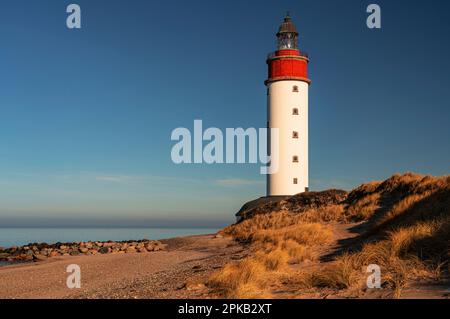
x: 38, y: 252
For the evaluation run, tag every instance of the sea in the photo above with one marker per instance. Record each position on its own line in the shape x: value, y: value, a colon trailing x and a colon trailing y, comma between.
x: 23, y: 236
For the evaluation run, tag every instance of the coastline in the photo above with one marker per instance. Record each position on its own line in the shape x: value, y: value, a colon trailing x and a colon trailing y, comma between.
x: 35, y: 252
x: 172, y: 273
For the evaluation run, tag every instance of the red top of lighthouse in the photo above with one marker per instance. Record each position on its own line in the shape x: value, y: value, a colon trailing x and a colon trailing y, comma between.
x: 288, y: 62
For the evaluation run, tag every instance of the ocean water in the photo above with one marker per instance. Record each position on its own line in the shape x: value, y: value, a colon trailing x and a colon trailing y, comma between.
x: 22, y: 236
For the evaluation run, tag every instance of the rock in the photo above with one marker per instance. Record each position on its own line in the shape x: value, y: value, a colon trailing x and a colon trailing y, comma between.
x: 4, y: 255
x: 142, y: 250
x: 39, y: 257
x: 103, y: 250
x: 42, y: 251
x: 194, y: 286
x: 160, y: 247
x: 294, y: 204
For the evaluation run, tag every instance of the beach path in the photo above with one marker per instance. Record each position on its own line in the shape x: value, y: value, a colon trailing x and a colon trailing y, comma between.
x: 163, y: 274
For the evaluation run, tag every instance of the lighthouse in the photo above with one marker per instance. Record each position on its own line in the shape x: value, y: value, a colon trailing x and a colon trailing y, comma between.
x: 287, y: 109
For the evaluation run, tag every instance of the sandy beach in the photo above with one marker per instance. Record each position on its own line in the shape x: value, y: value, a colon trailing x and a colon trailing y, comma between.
x: 175, y: 273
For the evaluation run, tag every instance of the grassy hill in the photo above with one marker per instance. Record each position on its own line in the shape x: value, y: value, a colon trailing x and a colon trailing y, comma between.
x: 320, y: 244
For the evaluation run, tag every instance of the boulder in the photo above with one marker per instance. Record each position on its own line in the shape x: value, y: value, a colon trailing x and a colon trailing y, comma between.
x: 103, y: 250
x: 39, y: 257
x: 190, y: 286
x: 4, y: 255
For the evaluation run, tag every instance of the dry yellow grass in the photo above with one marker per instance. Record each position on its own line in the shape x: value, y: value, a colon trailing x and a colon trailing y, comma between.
x: 298, y: 252
x: 306, y: 234
x: 341, y: 274
x: 278, y: 239
x: 363, y: 208
x: 234, y: 279
x: 249, y: 291
x: 330, y: 213
x: 273, y: 260
x: 408, y: 237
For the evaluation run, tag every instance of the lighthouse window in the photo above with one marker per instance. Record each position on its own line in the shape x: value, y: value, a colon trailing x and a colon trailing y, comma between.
x: 295, y: 89
x: 295, y: 159
x: 295, y: 181
x: 295, y: 111
x: 294, y: 134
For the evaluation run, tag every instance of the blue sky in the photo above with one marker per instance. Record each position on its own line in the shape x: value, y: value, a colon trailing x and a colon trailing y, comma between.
x: 86, y: 115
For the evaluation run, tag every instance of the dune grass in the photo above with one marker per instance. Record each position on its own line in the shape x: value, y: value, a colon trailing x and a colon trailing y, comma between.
x: 407, y: 235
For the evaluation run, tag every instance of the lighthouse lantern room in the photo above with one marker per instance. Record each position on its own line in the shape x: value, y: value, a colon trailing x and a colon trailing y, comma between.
x: 287, y: 101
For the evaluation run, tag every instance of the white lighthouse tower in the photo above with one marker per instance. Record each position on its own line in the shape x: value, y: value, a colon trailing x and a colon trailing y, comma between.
x: 287, y: 103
